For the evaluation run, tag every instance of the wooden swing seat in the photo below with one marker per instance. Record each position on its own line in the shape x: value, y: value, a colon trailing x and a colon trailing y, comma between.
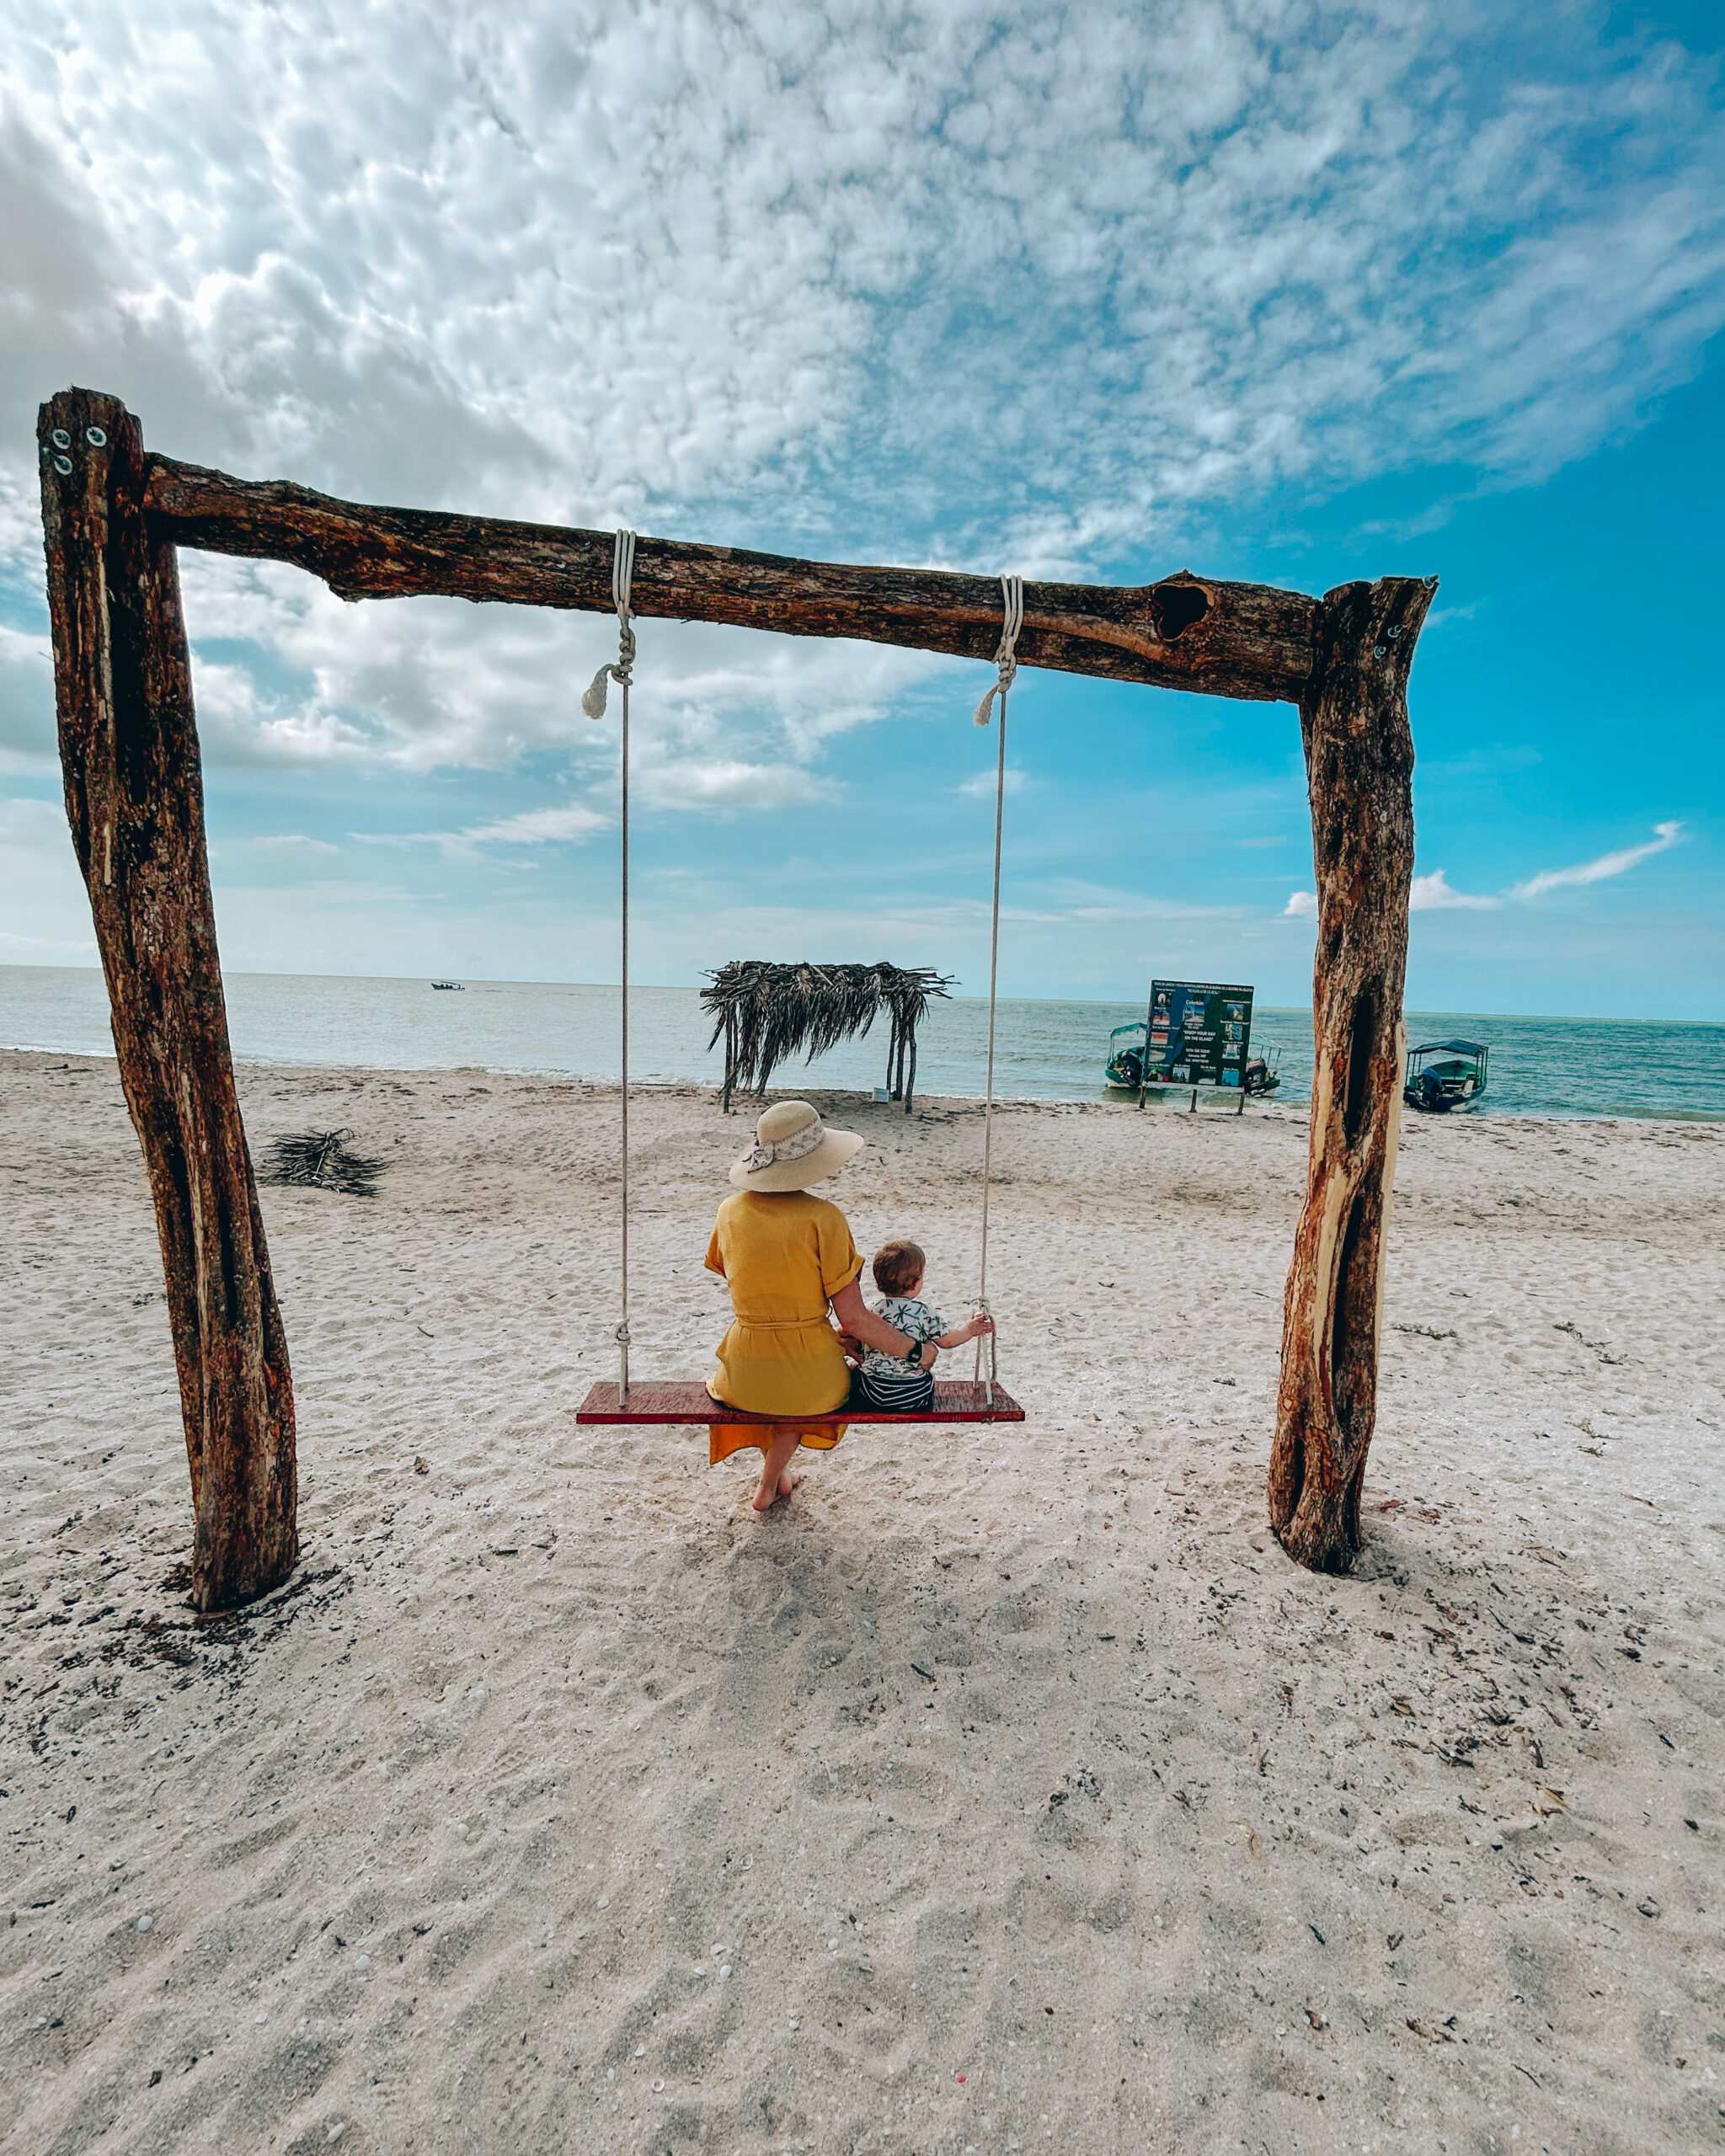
x: 686, y: 1399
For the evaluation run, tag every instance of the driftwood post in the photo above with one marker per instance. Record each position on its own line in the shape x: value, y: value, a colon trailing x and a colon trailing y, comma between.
x: 134, y: 797
x: 1359, y: 774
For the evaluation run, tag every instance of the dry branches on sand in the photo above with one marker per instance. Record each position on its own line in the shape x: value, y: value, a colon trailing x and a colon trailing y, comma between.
x: 322, y: 1158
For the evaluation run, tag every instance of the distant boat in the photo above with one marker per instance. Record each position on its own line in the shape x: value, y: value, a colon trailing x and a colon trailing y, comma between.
x: 448, y: 984
x: 1446, y: 1074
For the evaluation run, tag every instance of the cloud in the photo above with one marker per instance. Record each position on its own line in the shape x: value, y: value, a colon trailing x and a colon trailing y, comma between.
x: 980, y: 784
x: 946, y: 283
x: 1432, y: 894
x: 538, y: 827
x: 1596, y: 871
x: 291, y: 842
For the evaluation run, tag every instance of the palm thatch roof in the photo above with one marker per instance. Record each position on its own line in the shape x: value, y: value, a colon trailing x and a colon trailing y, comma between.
x: 768, y: 1012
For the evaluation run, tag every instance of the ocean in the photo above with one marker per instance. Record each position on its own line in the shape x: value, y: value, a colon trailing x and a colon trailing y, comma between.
x: 1044, y: 1049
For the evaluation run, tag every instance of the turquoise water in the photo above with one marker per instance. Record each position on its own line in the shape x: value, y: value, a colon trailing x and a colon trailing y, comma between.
x: 1045, y: 1050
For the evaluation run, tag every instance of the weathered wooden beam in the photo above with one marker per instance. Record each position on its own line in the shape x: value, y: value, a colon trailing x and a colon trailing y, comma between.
x: 1359, y: 774
x: 134, y: 797
x: 1249, y: 640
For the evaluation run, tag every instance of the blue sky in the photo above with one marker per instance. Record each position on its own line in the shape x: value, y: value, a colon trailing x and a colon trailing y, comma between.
x: 1284, y: 292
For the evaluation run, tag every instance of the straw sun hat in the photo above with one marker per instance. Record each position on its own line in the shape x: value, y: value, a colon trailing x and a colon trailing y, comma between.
x: 793, y: 1148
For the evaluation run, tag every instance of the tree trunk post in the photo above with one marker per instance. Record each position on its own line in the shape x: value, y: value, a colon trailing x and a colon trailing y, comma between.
x: 1359, y: 774
x: 134, y: 797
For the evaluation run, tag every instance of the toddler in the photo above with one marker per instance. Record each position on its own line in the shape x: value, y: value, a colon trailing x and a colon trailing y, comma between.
x: 896, y: 1386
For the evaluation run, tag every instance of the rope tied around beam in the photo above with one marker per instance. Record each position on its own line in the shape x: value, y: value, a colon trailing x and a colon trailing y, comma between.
x: 1012, y: 599
x: 623, y: 668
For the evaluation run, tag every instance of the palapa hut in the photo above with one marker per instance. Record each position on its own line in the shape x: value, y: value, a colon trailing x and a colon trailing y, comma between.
x: 766, y: 1012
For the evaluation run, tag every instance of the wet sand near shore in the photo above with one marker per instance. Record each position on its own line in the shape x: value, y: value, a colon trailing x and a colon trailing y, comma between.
x: 1007, y: 1789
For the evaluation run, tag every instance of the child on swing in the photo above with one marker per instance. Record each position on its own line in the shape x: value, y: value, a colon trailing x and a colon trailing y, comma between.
x: 886, y: 1382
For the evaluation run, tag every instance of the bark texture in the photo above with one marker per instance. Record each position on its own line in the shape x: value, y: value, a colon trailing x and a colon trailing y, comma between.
x: 1246, y: 640
x: 134, y: 799
x: 1359, y: 774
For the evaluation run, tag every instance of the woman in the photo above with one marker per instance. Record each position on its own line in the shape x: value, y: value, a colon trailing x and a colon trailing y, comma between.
x: 787, y: 1259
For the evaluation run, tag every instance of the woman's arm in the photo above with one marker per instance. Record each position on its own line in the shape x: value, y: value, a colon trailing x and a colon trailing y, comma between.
x: 854, y: 1315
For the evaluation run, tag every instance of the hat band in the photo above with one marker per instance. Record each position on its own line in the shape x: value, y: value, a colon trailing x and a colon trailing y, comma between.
x: 797, y: 1147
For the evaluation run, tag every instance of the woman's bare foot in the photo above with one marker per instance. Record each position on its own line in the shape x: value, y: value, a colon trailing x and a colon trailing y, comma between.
x: 765, y: 1499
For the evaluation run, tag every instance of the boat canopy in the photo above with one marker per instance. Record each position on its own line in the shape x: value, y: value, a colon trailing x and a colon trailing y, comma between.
x: 1451, y: 1048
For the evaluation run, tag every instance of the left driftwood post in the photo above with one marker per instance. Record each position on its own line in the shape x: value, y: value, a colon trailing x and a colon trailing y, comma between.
x: 135, y: 800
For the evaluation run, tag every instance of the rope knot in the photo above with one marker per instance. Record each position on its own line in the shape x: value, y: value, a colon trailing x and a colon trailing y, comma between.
x: 1012, y: 598
x: 622, y: 668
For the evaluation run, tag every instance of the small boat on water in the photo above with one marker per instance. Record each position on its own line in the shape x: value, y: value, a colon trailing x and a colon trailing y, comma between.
x: 1446, y: 1074
x: 448, y: 984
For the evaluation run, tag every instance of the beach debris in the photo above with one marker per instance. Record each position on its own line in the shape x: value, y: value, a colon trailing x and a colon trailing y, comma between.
x: 421, y: 1464
x: 145, y: 1924
x: 362, y: 1963
x: 1648, y: 1906
x: 1431, y: 2036
x: 324, y: 1160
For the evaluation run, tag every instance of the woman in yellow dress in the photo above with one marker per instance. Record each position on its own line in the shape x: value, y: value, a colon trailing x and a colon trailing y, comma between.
x: 788, y: 1257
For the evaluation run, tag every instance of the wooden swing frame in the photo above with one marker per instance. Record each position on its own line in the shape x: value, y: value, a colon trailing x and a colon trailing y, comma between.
x: 114, y: 519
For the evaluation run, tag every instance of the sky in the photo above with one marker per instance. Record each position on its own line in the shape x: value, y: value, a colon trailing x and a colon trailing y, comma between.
x: 1279, y: 291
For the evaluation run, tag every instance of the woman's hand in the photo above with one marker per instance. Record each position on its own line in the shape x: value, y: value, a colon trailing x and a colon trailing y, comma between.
x: 855, y: 1318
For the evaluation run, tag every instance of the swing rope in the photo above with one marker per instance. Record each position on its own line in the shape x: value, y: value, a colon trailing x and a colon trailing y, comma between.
x: 622, y: 570
x: 1012, y: 597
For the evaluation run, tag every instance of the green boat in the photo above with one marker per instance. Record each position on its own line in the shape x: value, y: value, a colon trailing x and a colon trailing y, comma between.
x: 1446, y: 1074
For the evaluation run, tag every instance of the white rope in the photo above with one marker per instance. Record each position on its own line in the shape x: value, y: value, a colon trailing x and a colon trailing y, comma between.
x: 622, y: 571
x: 1012, y: 593
x: 1012, y: 598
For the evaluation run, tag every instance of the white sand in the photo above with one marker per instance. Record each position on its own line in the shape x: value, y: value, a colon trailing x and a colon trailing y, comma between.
x: 1028, y: 1794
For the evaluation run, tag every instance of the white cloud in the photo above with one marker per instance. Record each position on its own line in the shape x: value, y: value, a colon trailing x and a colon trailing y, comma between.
x: 538, y: 827
x: 980, y: 784
x: 1432, y: 894
x: 1302, y: 905
x: 1617, y: 864
x: 940, y: 282
x: 291, y: 842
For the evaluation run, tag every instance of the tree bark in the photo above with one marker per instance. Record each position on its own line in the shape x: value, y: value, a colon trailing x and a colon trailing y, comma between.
x: 1360, y: 773
x: 1249, y: 640
x: 134, y: 799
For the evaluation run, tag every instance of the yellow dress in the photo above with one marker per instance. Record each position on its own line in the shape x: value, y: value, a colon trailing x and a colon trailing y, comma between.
x: 784, y: 1255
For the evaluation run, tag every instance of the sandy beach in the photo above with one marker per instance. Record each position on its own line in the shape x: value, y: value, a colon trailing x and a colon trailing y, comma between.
x: 1006, y: 1789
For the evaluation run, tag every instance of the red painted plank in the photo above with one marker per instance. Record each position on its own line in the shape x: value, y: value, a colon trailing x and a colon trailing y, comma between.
x: 688, y: 1400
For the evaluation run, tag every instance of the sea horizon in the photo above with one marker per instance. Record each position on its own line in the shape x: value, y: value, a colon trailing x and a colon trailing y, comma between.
x: 1047, y: 1047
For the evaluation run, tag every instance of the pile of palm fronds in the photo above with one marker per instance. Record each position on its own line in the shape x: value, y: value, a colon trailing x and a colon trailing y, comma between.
x: 322, y: 1158
x: 768, y: 1012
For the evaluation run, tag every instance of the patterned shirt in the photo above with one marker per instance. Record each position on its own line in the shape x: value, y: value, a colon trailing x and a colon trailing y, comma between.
x: 885, y: 1373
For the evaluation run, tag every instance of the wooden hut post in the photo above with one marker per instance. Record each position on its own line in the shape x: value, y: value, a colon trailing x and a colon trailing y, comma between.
x: 134, y: 797
x: 1359, y: 774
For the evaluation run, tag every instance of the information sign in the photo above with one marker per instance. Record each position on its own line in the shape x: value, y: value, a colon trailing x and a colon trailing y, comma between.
x: 1199, y: 1031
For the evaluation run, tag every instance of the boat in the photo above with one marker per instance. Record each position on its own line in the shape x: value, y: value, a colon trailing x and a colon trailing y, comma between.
x: 448, y: 984
x: 1263, y: 1074
x: 1126, y: 1064
x: 1446, y: 1074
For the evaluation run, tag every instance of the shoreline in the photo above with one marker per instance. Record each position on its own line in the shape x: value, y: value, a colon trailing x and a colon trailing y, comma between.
x: 1216, y: 1102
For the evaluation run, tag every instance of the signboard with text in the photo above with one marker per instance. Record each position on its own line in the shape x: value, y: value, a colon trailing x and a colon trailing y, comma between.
x: 1199, y: 1034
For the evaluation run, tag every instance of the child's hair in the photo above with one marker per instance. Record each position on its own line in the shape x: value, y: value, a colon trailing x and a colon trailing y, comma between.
x: 898, y: 1265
